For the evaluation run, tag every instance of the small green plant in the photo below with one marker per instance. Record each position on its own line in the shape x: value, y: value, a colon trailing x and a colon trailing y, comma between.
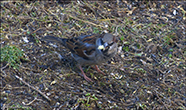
x: 122, y: 38
x: 142, y: 106
x: 140, y: 70
x: 126, y: 49
x: 11, y: 55
x: 170, y: 55
x: 171, y: 50
x: 89, y: 97
x: 95, y: 30
x: 169, y: 38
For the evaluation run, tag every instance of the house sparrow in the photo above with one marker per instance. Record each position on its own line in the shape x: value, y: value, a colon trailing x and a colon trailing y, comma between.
x: 89, y: 49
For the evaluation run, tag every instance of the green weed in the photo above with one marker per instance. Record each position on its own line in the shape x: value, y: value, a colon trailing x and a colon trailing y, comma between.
x: 11, y: 55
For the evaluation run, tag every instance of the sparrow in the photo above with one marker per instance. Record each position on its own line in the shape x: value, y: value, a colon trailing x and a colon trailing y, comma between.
x: 88, y: 50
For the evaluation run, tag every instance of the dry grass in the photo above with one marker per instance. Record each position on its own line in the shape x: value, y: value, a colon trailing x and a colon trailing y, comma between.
x: 147, y: 73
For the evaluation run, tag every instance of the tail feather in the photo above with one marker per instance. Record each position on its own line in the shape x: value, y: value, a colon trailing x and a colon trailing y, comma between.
x: 55, y: 39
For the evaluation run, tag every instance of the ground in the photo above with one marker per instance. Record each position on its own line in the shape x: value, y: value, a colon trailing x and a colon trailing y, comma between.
x: 148, y: 71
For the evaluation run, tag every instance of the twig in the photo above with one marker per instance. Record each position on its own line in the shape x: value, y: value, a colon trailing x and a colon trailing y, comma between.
x: 4, y: 67
x: 32, y: 101
x: 33, y: 88
x: 86, y: 21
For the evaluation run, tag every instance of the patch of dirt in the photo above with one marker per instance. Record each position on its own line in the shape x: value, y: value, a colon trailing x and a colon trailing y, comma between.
x: 148, y: 71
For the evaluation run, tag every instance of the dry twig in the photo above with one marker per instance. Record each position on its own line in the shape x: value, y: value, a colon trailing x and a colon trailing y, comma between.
x: 33, y: 88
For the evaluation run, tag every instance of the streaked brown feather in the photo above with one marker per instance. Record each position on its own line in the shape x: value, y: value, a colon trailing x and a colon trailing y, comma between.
x: 91, y: 39
x: 78, y: 46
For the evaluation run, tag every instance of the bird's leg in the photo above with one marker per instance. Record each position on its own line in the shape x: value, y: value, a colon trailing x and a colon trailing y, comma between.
x: 87, y: 78
x: 96, y: 67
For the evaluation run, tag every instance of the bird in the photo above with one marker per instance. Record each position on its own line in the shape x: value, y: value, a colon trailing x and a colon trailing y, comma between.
x: 88, y: 50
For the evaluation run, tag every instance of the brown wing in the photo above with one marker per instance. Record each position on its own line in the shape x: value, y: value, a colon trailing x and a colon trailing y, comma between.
x: 91, y: 39
x: 82, y: 46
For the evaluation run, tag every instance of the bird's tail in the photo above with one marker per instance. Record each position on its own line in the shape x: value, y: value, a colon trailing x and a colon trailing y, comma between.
x: 53, y: 39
